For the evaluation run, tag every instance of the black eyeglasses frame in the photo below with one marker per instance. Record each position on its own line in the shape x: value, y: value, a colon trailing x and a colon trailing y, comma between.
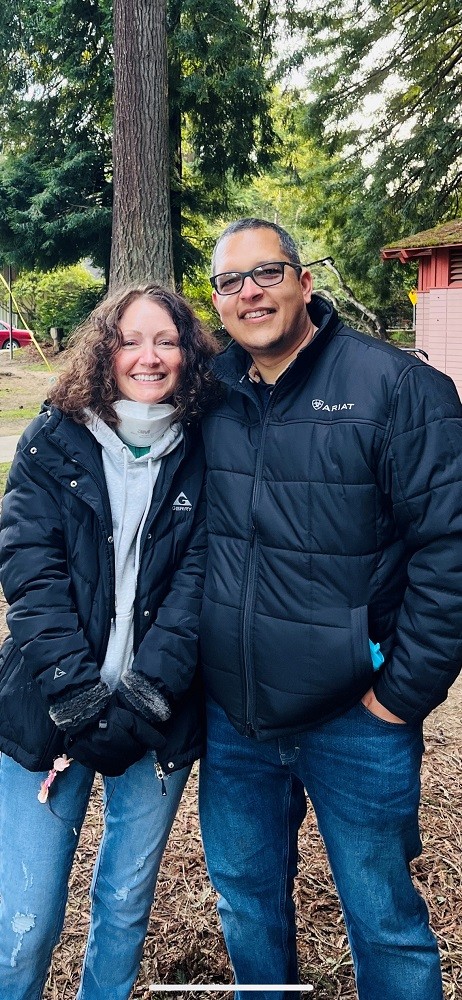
x: 251, y: 274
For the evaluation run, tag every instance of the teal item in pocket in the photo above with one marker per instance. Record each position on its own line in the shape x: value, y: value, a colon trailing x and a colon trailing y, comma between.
x: 376, y: 654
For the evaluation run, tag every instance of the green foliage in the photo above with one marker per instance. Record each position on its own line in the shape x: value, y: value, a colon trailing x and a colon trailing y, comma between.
x: 56, y: 121
x: 53, y: 213
x: 220, y: 120
x: 387, y: 79
x: 55, y: 105
x: 196, y: 286
x: 403, y: 338
x: 373, y: 152
x: 62, y: 298
x: 356, y: 221
x: 323, y: 201
x: 223, y: 92
x: 290, y: 190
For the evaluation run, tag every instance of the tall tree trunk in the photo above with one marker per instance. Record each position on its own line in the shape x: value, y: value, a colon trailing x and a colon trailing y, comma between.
x: 141, y: 229
x: 176, y: 159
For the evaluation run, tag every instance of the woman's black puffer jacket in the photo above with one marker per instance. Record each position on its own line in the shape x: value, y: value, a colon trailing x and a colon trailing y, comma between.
x: 57, y: 574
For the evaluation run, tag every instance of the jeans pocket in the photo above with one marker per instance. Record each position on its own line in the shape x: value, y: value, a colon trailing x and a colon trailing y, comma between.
x: 384, y: 723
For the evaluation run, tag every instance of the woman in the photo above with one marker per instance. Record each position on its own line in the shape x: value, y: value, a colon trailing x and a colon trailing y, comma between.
x: 102, y: 547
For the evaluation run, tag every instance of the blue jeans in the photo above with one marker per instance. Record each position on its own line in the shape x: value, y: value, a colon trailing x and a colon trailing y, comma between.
x: 362, y: 776
x: 37, y: 848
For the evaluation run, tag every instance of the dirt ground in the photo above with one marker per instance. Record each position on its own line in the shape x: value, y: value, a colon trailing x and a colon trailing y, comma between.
x: 184, y: 944
x: 24, y: 383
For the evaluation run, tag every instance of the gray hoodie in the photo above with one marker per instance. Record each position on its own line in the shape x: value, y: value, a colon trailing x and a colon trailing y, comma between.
x: 130, y: 483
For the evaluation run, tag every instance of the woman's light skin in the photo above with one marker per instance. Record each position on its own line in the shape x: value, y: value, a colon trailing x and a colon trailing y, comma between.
x: 147, y: 366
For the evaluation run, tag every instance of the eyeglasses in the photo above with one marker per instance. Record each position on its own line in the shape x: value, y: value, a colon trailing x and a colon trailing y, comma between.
x: 265, y: 275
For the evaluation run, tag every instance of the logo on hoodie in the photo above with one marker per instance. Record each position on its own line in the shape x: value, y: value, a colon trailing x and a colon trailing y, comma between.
x: 181, y: 503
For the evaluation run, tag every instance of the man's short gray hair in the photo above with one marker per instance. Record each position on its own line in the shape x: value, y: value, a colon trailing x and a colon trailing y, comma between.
x: 286, y: 243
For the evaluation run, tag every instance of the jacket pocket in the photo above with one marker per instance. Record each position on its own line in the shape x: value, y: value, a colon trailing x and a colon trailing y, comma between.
x: 360, y: 639
x: 309, y: 671
x: 27, y: 733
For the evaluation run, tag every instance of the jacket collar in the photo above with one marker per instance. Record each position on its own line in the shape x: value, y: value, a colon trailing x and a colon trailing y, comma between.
x: 73, y: 440
x: 62, y: 446
x: 77, y: 441
x: 234, y: 362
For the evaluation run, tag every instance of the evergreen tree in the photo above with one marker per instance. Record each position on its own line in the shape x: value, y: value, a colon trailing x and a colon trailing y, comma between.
x: 387, y: 79
x: 330, y: 205
x: 56, y: 121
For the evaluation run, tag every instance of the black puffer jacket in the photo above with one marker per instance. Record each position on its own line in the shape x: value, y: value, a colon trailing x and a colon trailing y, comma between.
x: 57, y: 573
x: 334, y: 516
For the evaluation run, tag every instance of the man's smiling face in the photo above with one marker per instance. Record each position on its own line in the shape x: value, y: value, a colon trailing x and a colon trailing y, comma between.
x: 270, y: 323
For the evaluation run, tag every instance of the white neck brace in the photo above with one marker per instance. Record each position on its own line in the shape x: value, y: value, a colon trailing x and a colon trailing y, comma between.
x: 141, y: 424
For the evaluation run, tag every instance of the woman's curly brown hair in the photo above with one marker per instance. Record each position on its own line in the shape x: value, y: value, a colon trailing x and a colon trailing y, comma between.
x: 88, y: 380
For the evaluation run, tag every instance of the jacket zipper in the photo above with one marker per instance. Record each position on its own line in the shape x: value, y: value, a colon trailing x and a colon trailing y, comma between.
x: 107, y: 529
x: 250, y: 585
x: 106, y: 523
x: 160, y: 775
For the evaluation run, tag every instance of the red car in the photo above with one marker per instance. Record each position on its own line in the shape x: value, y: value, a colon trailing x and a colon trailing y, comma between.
x: 19, y: 337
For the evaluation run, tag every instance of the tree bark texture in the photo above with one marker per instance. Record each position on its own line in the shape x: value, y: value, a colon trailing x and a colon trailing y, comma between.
x: 141, y: 229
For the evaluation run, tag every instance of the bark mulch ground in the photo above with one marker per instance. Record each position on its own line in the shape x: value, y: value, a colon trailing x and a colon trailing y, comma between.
x: 184, y: 944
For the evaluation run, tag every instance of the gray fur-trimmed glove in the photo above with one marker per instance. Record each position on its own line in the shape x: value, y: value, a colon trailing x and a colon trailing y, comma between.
x: 74, y: 712
x: 137, y: 692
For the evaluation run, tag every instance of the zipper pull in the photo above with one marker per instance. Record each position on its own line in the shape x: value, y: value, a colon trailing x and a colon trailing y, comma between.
x: 160, y: 775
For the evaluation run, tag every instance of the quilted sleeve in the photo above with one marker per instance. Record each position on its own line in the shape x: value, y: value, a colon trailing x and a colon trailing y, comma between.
x: 422, y: 474
x: 42, y: 617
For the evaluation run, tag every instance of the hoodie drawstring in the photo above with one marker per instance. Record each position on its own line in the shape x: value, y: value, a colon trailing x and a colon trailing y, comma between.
x: 143, y: 519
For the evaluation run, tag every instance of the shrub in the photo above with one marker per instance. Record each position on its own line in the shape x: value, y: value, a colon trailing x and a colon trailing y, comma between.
x: 61, y: 298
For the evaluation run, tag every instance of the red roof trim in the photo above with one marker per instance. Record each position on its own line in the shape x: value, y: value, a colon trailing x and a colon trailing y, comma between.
x: 405, y: 253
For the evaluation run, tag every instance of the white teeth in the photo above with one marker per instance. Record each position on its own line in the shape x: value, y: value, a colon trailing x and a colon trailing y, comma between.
x: 256, y: 313
x: 148, y: 378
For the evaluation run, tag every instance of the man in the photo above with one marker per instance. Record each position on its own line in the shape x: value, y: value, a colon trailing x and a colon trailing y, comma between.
x: 332, y: 616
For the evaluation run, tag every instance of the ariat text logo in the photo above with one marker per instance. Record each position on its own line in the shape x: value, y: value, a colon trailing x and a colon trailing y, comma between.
x: 182, y: 503
x: 319, y: 404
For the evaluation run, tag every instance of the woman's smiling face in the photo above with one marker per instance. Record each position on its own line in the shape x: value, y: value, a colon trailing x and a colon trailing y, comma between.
x: 148, y: 364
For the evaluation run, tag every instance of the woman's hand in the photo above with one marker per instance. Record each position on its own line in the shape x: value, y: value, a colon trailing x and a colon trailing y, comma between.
x: 115, y: 742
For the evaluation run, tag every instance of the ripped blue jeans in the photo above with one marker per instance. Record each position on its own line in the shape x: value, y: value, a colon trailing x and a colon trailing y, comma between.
x: 37, y: 848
